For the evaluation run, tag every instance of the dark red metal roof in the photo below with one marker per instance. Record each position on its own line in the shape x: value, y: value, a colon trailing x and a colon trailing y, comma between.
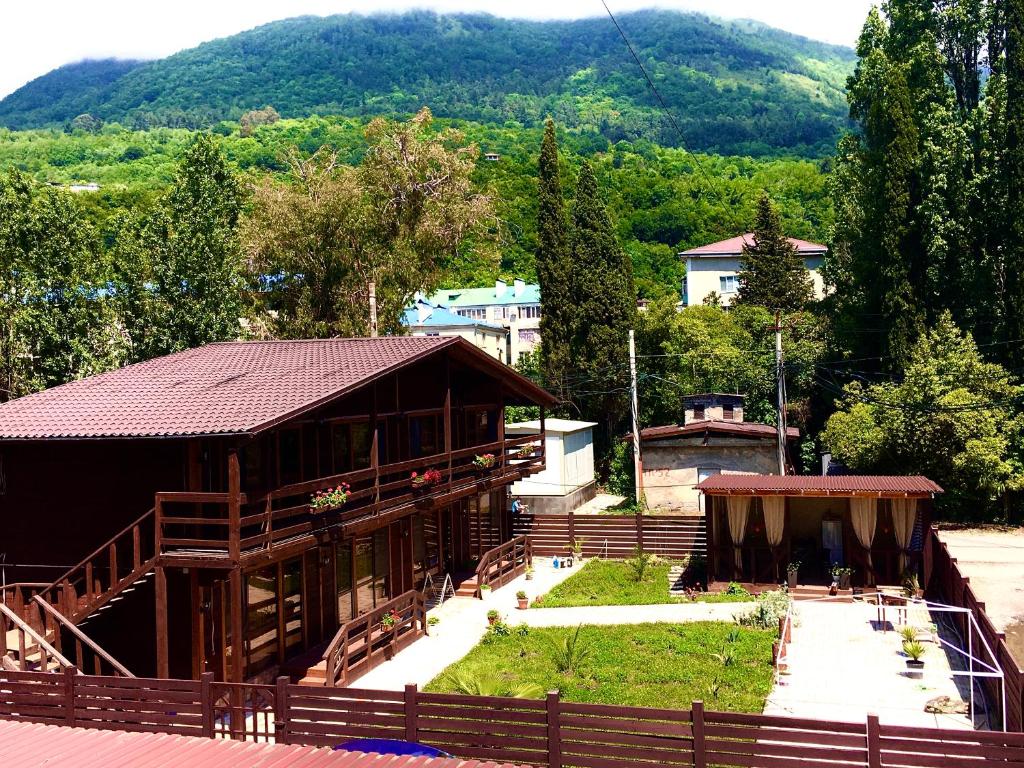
x: 30, y: 745
x: 819, y: 485
x: 224, y: 388
x: 734, y: 246
x: 739, y: 428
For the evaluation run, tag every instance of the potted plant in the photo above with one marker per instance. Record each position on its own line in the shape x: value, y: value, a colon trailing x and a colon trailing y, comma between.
x: 914, y: 651
x: 911, y: 585
x: 522, y: 600
x: 577, y: 547
x: 791, y: 573
x: 329, y: 498
x: 909, y: 634
x: 485, y: 591
x: 841, y: 575
x: 428, y: 479
x: 492, y: 617
x: 529, y: 573
x: 484, y: 461
x: 525, y: 452
x: 388, y: 620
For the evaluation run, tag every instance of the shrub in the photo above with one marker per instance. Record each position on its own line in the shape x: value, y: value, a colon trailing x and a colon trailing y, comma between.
x: 570, y: 653
x: 493, y: 615
x: 433, y: 621
x: 473, y: 685
x: 640, y: 563
x: 736, y: 589
x: 521, y: 594
x: 771, y: 606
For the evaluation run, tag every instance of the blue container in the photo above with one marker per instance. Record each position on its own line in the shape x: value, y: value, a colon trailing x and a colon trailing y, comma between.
x: 391, y: 747
x: 555, y: 563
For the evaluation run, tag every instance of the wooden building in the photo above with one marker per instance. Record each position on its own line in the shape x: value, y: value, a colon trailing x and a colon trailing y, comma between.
x: 758, y: 524
x: 164, y: 509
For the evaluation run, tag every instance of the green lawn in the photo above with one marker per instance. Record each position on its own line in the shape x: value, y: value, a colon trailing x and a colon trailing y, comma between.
x: 611, y: 582
x: 652, y: 665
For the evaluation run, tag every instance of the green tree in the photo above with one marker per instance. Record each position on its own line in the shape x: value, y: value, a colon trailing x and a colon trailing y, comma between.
x: 1012, y: 171
x: 772, y: 273
x: 604, y: 300
x: 950, y: 416
x: 554, y: 270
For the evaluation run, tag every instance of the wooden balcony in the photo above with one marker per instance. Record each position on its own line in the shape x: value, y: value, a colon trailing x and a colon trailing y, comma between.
x: 223, y: 529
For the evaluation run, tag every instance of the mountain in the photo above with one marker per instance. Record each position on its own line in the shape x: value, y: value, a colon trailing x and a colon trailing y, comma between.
x: 734, y: 87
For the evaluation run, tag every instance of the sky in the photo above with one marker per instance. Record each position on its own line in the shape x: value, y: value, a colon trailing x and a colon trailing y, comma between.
x: 39, y: 35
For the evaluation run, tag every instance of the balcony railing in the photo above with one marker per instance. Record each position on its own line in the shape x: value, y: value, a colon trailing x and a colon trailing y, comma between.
x: 201, y: 525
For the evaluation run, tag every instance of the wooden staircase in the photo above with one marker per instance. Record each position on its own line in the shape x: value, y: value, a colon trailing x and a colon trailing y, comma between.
x: 466, y: 586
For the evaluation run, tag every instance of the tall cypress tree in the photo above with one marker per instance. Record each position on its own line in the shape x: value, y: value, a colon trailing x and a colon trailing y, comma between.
x: 554, y: 269
x: 773, y: 274
x: 604, y: 299
x: 1012, y: 172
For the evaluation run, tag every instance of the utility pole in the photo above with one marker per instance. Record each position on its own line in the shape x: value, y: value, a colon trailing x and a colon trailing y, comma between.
x: 780, y: 379
x: 638, y: 464
x: 372, y: 290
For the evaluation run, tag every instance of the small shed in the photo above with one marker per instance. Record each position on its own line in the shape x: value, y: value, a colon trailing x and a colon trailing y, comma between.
x: 568, y: 478
x: 873, y: 524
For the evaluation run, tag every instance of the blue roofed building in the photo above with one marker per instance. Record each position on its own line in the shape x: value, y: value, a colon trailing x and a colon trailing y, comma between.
x: 514, y: 307
x: 425, y: 318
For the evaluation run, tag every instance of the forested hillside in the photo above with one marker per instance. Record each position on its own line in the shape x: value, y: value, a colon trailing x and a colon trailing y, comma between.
x: 736, y: 88
x: 659, y: 199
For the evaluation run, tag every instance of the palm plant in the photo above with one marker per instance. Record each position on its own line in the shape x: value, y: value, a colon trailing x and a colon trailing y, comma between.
x: 490, y: 685
x: 570, y: 653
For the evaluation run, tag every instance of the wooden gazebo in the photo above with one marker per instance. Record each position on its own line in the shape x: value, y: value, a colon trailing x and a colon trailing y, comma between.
x: 758, y: 524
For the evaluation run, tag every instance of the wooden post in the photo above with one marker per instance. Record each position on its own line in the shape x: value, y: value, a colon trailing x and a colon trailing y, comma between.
x: 572, y: 526
x: 554, y: 730
x: 874, y: 743
x: 69, y: 691
x: 281, y: 710
x: 237, y: 643
x: 411, y: 731
x: 162, y: 655
x: 206, y: 702
x: 234, y: 507
x: 700, y: 758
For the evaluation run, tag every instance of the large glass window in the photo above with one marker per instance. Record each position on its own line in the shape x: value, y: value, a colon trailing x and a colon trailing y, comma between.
x: 343, y: 580
x: 289, y: 456
x: 419, y: 552
x: 372, y: 570
x: 350, y: 446
x: 425, y: 436
x: 261, y: 619
x: 291, y: 605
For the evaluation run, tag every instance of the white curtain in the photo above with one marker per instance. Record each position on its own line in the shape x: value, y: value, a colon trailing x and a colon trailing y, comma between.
x: 774, y: 518
x: 904, y: 515
x: 738, y: 510
x: 864, y: 516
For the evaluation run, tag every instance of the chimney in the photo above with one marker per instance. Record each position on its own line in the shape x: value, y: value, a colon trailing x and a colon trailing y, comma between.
x: 500, y: 286
x: 519, y: 286
x: 423, y: 311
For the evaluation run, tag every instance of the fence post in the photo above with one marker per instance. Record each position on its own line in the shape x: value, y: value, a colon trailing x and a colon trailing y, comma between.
x: 411, y: 731
x: 639, y: 527
x: 554, y: 730
x: 874, y: 743
x: 572, y: 527
x: 281, y: 710
x: 700, y: 758
x: 69, y: 690
x: 206, y: 702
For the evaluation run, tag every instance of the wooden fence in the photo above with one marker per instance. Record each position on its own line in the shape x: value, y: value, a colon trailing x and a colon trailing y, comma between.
x: 945, y: 582
x: 549, y: 732
x: 615, y: 536
x: 505, y: 562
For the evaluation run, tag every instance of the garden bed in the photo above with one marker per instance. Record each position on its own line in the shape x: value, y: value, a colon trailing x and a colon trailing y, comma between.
x: 613, y: 582
x: 652, y: 665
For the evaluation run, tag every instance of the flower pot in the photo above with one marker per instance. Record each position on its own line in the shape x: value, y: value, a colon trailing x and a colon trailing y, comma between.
x: 791, y: 579
x: 529, y: 577
x: 492, y: 620
x: 524, y: 603
x: 844, y: 581
x: 915, y: 669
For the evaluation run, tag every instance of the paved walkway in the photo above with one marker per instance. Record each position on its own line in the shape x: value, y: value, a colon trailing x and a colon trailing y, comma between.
x: 842, y: 668
x: 675, y: 613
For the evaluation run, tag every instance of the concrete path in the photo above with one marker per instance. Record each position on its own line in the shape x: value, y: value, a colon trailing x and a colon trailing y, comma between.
x: 843, y: 668
x: 675, y: 613
x: 599, y: 504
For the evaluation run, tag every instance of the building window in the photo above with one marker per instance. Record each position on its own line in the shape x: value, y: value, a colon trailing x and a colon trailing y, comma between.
x: 531, y: 312
x: 727, y: 283
x: 698, y: 412
x: 529, y: 335
x: 727, y: 412
x: 350, y: 446
x: 473, y: 313
x: 685, y: 299
x: 343, y: 580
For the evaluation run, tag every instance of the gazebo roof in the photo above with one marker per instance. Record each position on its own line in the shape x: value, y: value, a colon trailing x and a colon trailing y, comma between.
x: 877, y: 486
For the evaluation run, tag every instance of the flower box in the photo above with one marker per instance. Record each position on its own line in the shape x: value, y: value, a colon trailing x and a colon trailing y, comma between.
x: 329, y: 499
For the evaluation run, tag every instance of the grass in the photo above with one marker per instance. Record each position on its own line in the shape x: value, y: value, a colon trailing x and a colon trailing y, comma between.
x: 611, y: 582
x: 650, y: 665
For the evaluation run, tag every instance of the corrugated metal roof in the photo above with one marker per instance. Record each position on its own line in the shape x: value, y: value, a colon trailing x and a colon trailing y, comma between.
x: 739, y: 428
x: 31, y: 745
x: 820, y: 485
x: 226, y: 388
x: 437, y: 316
x: 734, y: 247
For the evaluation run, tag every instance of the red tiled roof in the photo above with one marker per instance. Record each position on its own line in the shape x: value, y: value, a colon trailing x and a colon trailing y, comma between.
x: 225, y: 388
x: 734, y: 246
x: 740, y: 428
x: 30, y: 745
x: 820, y: 485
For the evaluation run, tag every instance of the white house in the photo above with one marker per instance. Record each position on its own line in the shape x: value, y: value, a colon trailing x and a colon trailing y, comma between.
x: 715, y: 268
x: 426, y: 319
x: 568, y: 477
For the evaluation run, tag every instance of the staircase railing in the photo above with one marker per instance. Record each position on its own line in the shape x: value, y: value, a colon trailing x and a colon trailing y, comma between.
x: 500, y: 565
x: 30, y: 643
x: 367, y: 640
x: 55, y: 622
x: 105, y: 573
